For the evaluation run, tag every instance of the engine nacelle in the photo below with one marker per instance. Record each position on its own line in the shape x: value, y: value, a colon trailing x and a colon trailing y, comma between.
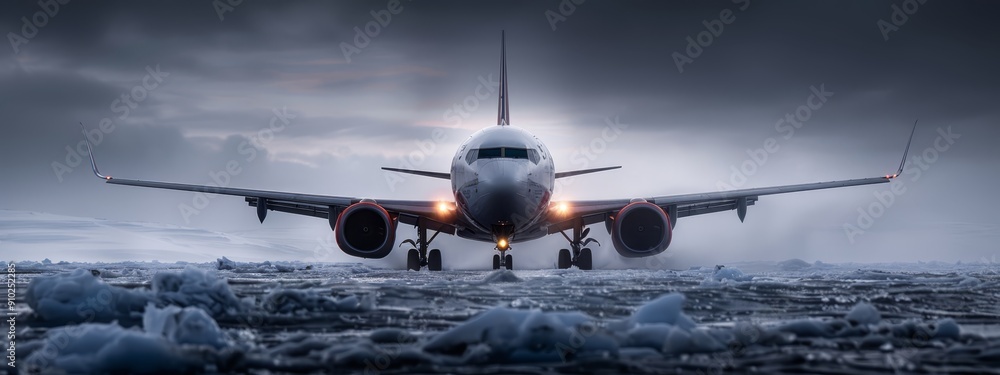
x: 365, y: 230
x: 641, y: 229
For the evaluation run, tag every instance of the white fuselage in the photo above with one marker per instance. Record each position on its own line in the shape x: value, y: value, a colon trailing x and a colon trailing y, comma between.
x: 503, y: 175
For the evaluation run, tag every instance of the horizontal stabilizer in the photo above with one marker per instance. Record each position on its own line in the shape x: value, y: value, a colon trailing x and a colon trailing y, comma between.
x: 446, y: 176
x: 584, y: 171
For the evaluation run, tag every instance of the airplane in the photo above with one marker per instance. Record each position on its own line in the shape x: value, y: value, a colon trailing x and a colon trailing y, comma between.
x: 502, y: 178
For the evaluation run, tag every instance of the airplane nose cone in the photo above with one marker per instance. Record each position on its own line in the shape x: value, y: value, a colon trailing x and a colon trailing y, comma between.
x: 501, y: 173
x: 501, y: 193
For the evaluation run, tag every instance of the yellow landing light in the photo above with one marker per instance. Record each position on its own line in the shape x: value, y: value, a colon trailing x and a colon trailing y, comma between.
x: 444, y: 208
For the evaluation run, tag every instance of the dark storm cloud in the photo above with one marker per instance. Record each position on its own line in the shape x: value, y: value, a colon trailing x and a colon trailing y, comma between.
x: 568, y: 74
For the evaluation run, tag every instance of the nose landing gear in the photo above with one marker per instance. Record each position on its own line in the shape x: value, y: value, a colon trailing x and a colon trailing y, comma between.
x: 503, y: 261
x: 579, y: 256
x: 502, y: 234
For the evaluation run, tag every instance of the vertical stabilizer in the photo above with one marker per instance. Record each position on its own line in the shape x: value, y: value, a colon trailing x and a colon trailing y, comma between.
x: 503, y: 107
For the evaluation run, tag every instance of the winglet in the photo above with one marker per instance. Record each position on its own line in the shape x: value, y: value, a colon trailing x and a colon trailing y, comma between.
x: 905, y: 153
x: 90, y: 150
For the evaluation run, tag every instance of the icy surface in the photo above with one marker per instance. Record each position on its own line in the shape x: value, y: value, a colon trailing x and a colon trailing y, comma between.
x: 80, y: 296
x: 350, y: 318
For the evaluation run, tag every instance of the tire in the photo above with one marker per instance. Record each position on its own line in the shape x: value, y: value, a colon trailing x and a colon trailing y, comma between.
x: 496, y: 261
x: 434, y: 260
x: 413, y: 260
x: 565, y: 260
x: 586, y: 260
x: 509, y: 262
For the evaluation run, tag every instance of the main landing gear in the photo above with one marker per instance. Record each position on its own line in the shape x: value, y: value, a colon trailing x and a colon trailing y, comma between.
x: 418, y: 256
x: 581, y: 256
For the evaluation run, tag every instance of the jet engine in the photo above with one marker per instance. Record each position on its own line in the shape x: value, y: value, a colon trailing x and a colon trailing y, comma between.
x: 640, y: 229
x: 365, y: 230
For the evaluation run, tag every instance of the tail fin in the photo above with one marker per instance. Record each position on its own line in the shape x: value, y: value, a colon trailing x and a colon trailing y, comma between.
x: 503, y: 107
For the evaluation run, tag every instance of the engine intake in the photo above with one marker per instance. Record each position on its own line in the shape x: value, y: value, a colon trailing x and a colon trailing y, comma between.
x: 641, y: 229
x: 365, y: 230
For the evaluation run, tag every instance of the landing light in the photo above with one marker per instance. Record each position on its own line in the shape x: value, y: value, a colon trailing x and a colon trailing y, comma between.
x: 562, y: 208
x: 443, y: 207
x: 502, y: 243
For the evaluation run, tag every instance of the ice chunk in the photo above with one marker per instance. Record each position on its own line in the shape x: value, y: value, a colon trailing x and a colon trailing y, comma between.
x: 666, y: 309
x: 501, y: 276
x: 648, y: 335
x: 294, y: 300
x: 681, y: 341
x: 494, y: 326
x: 224, y: 264
x: 864, y: 313
x: 199, y: 288
x: 96, y: 348
x: 189, y: 325
x: 947, y: 329
x: 793, y: 265
x: 969, y: 282
x: 733, y: 274
x: 504, y: 334
x: 79, y: 297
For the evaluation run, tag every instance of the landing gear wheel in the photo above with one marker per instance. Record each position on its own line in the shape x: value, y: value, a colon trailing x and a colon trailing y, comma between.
x: 565, y: 260
x: 413, y: 260
x: 434, y: 260
x: 586, y: 260
x: 509, y: 262
x: 496, y: 261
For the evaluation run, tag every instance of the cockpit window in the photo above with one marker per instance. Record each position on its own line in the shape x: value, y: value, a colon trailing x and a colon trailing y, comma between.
x: 490, y: 153
x: 515, y: 153
x: 501, y: 152
x: 533, y: 155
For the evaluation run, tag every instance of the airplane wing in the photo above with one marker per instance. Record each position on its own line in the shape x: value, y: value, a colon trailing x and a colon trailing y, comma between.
x: 676, y: 206
x: 322, y: 206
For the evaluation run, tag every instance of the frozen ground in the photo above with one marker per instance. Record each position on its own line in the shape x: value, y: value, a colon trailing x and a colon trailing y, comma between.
x: 792, y: 317
x: 116, y: 314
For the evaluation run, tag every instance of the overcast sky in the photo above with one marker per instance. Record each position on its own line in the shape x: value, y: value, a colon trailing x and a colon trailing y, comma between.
x: 296, y: 100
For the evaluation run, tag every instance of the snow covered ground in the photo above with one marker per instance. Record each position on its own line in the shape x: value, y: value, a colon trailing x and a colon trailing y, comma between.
x: 242, y: 311
x: 343, y: 318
